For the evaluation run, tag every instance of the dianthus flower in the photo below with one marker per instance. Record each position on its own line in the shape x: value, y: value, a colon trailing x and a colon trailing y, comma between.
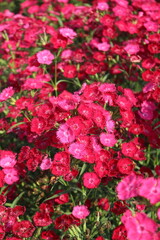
x: 45, y: 57
x: 7, y: 159
x: 67, y: 32
x: 6, y: 94
x: 150, y: 189
x: 108, y: 139
x: 91, y: 180
x: 11, y: 175
x: 139, y: 226
x: 128, y: 187
x: 65, y: 134
x: 80, y: 212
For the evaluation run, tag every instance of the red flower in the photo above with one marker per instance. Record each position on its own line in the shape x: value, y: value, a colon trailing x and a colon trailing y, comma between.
x: 119, y: 233
x: 103, y: 203
x: 42, y: 219
x: 49, y: 235
x: 91, y: 180
x: 125, y: 165
x: 23, y: 229
x: 38, y: 125
x: 65, y: 221
x: 63, y: 198
x: 70, y: 71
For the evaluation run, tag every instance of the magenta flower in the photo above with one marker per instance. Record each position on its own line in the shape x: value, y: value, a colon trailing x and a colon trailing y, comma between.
x: 150, y: 189
x: 11, y: 175
x: 6, y: 94
x: 65, y: 134
x: 45, y: 57
x: 80, y: 212
x: 128, y: 187
x: 108, y: 139
x: 68, y: 32
x: 46, y: 163
x: 139, y: 226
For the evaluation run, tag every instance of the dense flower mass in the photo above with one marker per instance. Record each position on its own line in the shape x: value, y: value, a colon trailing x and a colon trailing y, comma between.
x: 79, y: 119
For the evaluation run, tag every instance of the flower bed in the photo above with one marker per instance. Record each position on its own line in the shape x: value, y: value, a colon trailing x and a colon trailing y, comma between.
x: 79, y: 126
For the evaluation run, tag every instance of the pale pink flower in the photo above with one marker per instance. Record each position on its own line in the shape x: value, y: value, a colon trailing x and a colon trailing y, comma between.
x: 7, y: 159
x: 103, y: 46
x: 80, y: 212
x: 11, y: 175
x: 103, y: 6
x: 65, y: 134
x: 128, y: 187
x: 139, y: 226
x: 150, y: 189
x: 108, y: 139
x: 132, y: 48
x: 66, y: 54
x: 6, y: 94
x: 46, y: 163
x: 77, y: 150
x: 45, y: 57
x: 67, y: 32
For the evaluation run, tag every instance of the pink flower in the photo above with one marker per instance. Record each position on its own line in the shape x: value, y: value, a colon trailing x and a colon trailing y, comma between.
x: 6, y: 94
x: 65, y: 134
x: 66, y: 54
x: 80, y: 212
x: 77, y: 150
x: 128, y: 187
x: 139, y: 226
x: 132, y: 48
x: 46, y: 163
x: 45, y: 57
x: 110, y: 125
x: 7, y: 159
x: 150, y: 189
x: 11, y: 175
x: 103, y: 6
x: 103, y: 46
x: 68, y: 32
x: 107, y: 87
x: 108, y: 139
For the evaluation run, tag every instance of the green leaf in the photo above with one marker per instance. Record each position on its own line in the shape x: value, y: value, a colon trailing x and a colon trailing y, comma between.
x: 14, y: 203
x: 16, y: 125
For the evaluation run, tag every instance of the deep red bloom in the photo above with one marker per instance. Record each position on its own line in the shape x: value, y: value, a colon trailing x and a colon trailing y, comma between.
x: 119, y: 207
x: 42, y: 219
x: 69, y: 71
x: 103, y: 203
x: 62, y: 199
x: 49, y: 235
x: 23, y: 229
x: 119, y: 233
x: 65, y: 221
